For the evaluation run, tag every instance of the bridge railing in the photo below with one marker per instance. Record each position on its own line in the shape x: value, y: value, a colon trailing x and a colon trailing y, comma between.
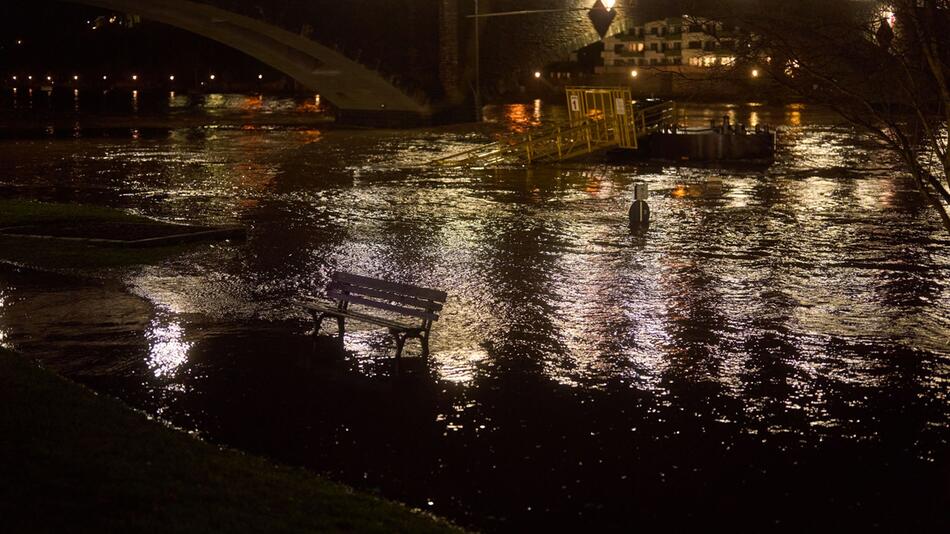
x: 651, y: 118
x: 510, y: 147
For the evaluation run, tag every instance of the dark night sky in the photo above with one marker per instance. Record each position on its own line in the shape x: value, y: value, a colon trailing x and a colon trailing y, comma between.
x: 57, y: 39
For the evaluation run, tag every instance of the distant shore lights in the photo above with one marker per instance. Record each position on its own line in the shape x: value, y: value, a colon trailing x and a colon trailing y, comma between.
x: 135, y: 77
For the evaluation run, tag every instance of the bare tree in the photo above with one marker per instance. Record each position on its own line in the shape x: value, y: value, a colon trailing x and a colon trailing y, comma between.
x: 882, y: 66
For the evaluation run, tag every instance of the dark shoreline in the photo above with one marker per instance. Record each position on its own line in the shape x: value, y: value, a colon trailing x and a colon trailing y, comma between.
x: 85, y: 461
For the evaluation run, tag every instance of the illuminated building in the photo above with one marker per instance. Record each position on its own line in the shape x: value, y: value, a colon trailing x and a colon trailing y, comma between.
x: 682, y: 41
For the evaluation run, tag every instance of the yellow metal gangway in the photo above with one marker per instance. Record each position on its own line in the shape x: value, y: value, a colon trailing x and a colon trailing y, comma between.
x: 600, y: 118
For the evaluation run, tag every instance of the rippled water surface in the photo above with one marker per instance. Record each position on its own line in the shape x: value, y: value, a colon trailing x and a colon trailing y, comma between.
x: 783, y: 347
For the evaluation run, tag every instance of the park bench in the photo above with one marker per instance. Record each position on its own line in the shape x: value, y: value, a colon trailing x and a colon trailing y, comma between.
x: 412, y: 309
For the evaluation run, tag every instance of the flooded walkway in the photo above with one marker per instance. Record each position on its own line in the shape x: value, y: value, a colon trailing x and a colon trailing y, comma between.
x: 784, y: 347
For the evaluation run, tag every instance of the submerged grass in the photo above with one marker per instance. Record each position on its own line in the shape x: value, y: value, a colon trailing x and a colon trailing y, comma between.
x: 71, y: 460
x: 58, y: 255
x: 62, y: 254
x: 28, y: 212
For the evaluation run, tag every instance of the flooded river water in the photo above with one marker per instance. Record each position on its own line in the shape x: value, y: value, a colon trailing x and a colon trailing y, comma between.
x: 778, y: 355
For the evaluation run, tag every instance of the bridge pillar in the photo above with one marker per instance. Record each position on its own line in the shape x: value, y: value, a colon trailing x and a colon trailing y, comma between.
x: 449, y: 65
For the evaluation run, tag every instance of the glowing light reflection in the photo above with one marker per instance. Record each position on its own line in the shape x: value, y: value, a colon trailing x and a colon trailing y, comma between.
x: 168, y: 350
x: 459, y: 366
x: 520, y: 119
x: 3, y: 334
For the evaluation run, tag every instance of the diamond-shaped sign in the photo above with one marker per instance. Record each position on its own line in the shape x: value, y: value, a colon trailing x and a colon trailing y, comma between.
x: 601, y: 17
x: 885, y: 35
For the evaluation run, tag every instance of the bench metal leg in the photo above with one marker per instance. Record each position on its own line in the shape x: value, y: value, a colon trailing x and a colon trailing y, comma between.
x: 340, y: 325
x: 400, y: 342
x: 317, y: 322
x: 424, y: 338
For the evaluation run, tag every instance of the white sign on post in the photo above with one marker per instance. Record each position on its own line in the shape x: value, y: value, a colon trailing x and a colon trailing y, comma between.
x: 621, y: 106
x: 575, y: 103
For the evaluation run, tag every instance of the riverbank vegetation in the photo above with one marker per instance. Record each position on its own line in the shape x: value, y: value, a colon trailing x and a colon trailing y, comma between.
x: 74, y: 461
x: 884, y: 67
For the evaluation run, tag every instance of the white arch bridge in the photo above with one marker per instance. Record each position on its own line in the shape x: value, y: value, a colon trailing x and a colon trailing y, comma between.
x: 360, y: 95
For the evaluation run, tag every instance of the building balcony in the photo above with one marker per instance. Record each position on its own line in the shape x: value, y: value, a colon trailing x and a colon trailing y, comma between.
x: 623, y: 37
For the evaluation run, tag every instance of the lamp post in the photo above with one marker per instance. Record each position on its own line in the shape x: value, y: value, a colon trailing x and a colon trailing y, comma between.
x: 601, y: 15
x: 478, y: 74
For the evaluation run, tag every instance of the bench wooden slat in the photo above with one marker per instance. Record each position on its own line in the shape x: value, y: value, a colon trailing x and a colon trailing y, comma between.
x: 430, y: 305
x: 395, y: 287
x: 355, y: 299
x: 382, y: 321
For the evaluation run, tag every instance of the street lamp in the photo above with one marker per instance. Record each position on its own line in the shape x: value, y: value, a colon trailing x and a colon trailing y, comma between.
x: 634, y: 73
x: 478, y: 74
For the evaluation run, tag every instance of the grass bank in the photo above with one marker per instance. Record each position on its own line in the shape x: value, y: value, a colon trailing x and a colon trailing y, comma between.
x: 59, y: 254
x: 23, y: 212
x: 72, y: 460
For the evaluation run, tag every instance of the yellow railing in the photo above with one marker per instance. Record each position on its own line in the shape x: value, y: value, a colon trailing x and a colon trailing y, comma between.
x: 563, y: 142
x: 652, y: 118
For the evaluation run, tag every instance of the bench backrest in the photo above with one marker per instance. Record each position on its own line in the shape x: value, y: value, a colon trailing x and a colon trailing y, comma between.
x: 406, y: 299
